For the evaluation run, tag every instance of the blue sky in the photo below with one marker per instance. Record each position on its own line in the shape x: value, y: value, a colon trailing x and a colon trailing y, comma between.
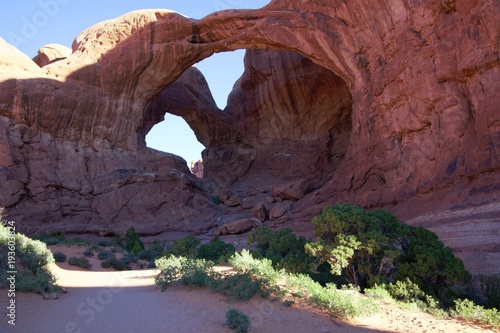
x: 30, y: 24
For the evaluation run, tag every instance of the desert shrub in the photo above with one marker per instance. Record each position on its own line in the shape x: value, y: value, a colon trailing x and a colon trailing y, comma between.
x: 182, y: 270
x: 32, y: 259
x: 263, y: 268
x: 115, y: 249
x: 241, y: 286
x: 131, y: 242
x: 185, y: 247
x: 379, y: 292
x: 254, y: 276
x: 118, y: 240
x: 147, y: 254
x: 129, y: 259
x: 81, y: 262
x: 337, y: 303
x: 216, y: 251
x: 104, y: 255
x: 115, y: 263
x: 405, y: 291
x: 340, y: 304
x: 376, y: 248
x: 59, y: 256
x: 88, y: 252
x: 158, y: 248
x: 283, y: 248
x: 469, y: 311
x: 238, y: 321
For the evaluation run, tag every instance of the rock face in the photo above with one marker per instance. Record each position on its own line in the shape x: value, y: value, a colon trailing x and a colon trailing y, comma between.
x: 197, y: 168
x: 51, y: 53
x: 383, y: 104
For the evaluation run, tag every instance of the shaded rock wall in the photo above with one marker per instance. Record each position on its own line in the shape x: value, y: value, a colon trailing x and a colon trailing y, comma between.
x: 384, y: 104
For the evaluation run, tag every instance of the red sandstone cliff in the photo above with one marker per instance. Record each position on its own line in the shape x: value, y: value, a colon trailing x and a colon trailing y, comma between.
x: 383, y: 104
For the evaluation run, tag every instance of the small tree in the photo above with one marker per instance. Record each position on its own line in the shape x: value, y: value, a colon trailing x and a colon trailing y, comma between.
x: 375, y: 247
x: 132, y: 242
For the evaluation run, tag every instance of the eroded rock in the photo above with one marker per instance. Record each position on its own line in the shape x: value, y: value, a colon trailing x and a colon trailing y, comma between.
x: 237, y: 227
x: 381, y: 105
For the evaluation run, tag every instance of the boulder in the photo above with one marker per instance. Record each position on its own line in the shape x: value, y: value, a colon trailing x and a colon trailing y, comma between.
x: 51, y: 53
x: 279, y: 209
x: 292, y: 191
x: 259, y: 212
x: 237, y: 227
x: 233, y: 201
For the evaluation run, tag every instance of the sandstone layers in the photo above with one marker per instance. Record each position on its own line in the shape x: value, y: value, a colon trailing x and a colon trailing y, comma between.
x: 389, y: 104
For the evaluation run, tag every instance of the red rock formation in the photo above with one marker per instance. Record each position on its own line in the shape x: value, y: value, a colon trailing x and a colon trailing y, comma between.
x: 197, y: 168
x: 51, y: 53
x: 384, y: 104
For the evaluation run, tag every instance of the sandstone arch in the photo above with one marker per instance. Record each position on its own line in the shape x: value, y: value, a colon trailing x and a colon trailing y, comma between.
x: 422, y: 79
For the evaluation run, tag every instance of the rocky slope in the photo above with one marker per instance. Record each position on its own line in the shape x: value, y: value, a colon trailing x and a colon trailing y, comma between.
x: 383, y: 104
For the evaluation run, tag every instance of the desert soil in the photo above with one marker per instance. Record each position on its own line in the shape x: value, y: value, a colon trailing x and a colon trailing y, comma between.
x: 104, y: 300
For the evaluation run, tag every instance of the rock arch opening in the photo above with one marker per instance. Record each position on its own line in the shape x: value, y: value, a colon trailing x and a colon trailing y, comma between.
x: 173, y: 135
x: 169, y: 132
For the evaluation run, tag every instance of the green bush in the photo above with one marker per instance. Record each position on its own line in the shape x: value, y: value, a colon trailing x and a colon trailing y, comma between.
x: 115, y: 263
x: 216, y: 251
x: 88, y: 252
x: 158, y: 248
x: 129, y: 259
x: 283, y: 248
x: 238, y: 321
x: 104, y: 255
x: 147, y: 254
x: 132, y: 243
x: 81, y: 262
x: 372, y: 248
x: 59, y: 256
x: 115, y: 249
x: 336, y: 303
x: 32, y: 260
x: 185, y: 247
x: 244, y: 262
x: 405, y: 291
x: 242, y: 286
x: 118, y: 240
x: 258, y: 276
x: 469, y: 311
x: 186, y: 271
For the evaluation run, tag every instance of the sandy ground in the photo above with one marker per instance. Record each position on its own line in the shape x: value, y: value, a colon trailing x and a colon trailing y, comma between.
x: 110, y: 301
